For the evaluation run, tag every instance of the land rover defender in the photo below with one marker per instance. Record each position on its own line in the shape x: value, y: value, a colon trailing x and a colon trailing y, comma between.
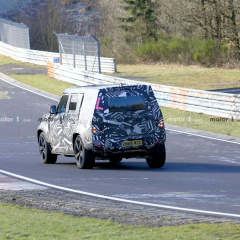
x: 108, y: 122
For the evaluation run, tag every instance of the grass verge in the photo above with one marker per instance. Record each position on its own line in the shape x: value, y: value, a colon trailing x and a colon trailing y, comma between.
x: 6, y: 60
x: 195, y: 77
x: 24, y: 223
x: 200, y: 121
x: 44, y: 82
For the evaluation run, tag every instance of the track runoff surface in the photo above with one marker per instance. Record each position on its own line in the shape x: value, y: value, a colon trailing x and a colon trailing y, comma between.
x: 201, y: 174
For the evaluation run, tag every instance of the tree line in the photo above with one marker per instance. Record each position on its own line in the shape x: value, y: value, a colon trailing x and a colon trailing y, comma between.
x: 185, y: 31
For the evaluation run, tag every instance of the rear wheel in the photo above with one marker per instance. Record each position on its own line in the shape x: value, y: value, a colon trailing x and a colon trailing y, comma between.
x: 84, y: 159
x: 115, y: 159
x: 45, y: 151
x: 158, y: 157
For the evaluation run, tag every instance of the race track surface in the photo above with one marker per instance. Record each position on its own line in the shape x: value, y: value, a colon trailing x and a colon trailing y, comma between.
x: 200, y: 173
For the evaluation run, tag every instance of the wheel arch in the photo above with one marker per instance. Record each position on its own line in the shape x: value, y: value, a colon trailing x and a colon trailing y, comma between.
x: 39, y: 131
x: 74, y: 138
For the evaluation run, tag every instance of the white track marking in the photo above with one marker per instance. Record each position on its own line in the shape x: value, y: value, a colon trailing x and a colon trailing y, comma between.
x: 28, y: 90
x: 119, y: 199
x: 197, y: 135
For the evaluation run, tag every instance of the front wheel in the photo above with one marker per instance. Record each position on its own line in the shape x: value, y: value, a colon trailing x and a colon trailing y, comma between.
x: 158, y: 157
x: 84, y: 159
x: 45, y: 151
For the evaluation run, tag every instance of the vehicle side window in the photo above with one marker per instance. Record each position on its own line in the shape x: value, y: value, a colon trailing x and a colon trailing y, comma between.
x: 72, y: 106
x: 62, y: 104
x: 75, y: 102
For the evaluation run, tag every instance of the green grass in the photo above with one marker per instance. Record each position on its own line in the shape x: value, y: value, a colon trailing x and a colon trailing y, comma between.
x: 7, y: 60
x: 201, y: 121
x: 44, y: 82
x: 25, y: 223
x: 195, y: 77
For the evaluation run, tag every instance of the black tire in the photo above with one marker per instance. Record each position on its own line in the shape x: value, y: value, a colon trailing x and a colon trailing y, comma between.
x: 115, y: 159
x: 84, y: 159
x: 158, y: 157
x: 45, y: 151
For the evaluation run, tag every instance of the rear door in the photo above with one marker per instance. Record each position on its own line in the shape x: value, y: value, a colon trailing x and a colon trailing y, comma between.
x: 128, y: 115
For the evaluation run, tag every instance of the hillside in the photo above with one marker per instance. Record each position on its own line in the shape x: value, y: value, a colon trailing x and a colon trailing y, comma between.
x: 11, y: 6
x: 175, y: 31
x: 74, y: 10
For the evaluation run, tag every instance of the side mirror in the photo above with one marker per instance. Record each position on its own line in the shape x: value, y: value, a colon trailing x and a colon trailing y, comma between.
x: 53, y: 109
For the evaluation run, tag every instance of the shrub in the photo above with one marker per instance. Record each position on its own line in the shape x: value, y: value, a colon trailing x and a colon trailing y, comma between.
x: 186, y: 51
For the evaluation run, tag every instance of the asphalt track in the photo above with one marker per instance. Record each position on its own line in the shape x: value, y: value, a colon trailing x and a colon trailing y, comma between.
x: 200, y: 173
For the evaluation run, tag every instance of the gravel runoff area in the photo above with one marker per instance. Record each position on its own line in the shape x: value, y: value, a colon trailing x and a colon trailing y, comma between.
x: 81, y: 205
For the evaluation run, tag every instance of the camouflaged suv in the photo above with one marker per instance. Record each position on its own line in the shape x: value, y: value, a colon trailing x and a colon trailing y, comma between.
x: 109, y: 122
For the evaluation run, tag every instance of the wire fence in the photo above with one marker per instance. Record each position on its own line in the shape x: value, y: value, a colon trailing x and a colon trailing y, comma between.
x: 79, y: 51
x: 14, y: 34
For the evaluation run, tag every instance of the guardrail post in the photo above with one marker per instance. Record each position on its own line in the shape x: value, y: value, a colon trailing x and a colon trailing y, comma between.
x: 115, y: 65
x: 99, y: 52
x: 74, y: 54
x: 84, y: 53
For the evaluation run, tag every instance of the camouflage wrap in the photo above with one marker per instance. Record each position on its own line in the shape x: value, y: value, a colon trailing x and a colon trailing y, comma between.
x: 127, y: 125
x: 100, y: 127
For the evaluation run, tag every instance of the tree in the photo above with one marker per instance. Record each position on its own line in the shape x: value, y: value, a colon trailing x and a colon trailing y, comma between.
x: 234, y: 26
x: 141, y: 12
x: 42, y: 24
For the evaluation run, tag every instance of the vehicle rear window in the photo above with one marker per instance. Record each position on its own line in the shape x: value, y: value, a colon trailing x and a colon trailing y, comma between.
x: 126, y: 103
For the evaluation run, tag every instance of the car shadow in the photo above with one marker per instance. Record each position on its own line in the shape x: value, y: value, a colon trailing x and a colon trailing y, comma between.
x: 171, y: 167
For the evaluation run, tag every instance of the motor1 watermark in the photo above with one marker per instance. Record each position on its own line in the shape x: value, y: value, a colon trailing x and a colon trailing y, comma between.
x: 6, y: 120
x: 224, y: 120
x: 16, y: 119
x: 184, y: 119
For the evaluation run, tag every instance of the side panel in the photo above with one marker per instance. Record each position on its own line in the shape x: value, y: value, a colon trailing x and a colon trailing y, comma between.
x: 98, y: 121
x: 160, y: 134
x: 55, y: 126
x: 86, y: 116
x: 70, y: 121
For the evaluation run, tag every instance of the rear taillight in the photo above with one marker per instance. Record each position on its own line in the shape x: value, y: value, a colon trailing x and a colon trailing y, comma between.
x: 159, y: 124
x: 95, y: 129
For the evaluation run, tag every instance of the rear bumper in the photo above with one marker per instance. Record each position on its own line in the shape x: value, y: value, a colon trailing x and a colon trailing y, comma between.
x: 128, y: 152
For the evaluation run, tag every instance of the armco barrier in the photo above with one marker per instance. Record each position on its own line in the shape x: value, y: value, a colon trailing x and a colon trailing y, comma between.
x: 210, y: 103
x: 108, y: 65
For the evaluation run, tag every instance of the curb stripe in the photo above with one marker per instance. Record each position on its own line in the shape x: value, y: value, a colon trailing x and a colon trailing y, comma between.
x: 119, y: 199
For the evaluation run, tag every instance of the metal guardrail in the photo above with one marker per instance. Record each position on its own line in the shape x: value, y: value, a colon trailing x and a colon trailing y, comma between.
x: 108, y: 65
x: 210, y: 103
